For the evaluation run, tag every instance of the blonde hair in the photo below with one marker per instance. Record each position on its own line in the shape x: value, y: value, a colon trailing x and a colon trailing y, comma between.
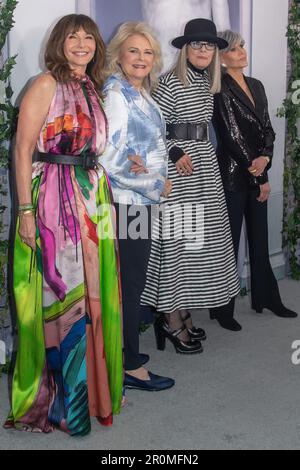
x: 126, y: 30
x: 214, y: 70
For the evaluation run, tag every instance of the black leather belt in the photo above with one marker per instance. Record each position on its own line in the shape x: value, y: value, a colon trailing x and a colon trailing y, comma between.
x: 188, y: 131
x: 87, y: 161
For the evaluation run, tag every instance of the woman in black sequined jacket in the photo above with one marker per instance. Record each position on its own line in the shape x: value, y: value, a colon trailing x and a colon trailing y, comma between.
x: 245, y: 150
x: 244, y: 133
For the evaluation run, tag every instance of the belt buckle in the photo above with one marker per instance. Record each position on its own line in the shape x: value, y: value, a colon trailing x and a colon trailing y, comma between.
x: 89, y: 162
x: 199, y: 132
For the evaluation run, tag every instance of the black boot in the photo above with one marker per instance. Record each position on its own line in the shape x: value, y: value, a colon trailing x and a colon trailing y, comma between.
x: 229, y: 324
x: 224, y: 316
x: 279, y: 310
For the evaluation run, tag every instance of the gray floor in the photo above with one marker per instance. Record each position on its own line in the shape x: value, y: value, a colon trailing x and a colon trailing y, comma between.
x: 241, y: 393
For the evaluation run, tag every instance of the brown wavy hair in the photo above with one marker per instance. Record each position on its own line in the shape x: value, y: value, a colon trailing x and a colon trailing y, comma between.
x: 55, y: 58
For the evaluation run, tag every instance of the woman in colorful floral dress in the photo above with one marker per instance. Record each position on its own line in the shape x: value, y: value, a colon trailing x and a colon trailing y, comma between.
x: 66, y: 283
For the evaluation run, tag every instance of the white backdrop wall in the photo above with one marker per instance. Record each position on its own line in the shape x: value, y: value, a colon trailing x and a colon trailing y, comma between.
x: 269, y: 64
x: 262, y: 22
x: 34, y: 19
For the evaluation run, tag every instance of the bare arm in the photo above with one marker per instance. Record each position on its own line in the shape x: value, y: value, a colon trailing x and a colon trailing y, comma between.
x: 33, y: 111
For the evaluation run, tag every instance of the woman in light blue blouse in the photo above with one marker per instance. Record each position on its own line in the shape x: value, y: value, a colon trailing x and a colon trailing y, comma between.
x: 136, y: 162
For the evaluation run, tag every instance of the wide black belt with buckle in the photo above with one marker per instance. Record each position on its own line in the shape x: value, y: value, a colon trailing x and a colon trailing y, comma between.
x: 87, y: 161
x: 188, y: 131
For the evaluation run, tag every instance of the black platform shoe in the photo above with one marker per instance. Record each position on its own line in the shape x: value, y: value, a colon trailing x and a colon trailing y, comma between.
x: 196, y: 334
x: 279, y: 311
x: 162, y: 332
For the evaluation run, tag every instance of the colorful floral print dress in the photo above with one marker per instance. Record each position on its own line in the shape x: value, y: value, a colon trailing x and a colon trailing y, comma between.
x: 69, y: 360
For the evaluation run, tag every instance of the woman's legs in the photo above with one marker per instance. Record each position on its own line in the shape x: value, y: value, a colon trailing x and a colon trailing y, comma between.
x: 236, y: 206
x: 171, y: 326
x: 175, y: 322
x: 134, y: 255
x: 194, y: 333
x: 264, y: 287
x: 236, y: 203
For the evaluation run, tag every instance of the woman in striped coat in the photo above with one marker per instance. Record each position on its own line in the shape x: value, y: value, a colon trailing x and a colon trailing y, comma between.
x: 192, y: 263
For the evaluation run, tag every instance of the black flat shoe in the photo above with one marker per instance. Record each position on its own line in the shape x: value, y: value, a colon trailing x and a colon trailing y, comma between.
x: 156, y: 383
x: 229, y: 324
x: 144, y: 358
x: 196, y: 334
x: 162, y: 332
x: 280, y: 311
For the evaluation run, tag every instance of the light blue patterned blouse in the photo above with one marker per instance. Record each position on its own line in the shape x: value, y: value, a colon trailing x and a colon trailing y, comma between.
x: 136, y: 127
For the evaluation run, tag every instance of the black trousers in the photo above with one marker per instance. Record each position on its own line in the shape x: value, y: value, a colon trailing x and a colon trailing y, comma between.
x: 264, y: 287
x: 134, y: 257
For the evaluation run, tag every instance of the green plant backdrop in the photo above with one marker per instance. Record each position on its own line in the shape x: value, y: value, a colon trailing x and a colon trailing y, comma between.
x: 291, y: 111
x: 7, y: 128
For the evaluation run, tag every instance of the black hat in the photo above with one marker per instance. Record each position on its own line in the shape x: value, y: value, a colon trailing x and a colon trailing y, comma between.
x: 200, y: 29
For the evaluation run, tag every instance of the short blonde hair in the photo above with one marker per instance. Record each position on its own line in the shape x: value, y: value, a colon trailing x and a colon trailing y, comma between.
x: 126, y: 30
x: 214, y: 70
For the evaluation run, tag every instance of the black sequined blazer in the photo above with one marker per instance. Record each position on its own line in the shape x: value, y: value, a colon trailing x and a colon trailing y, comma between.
x: 244, y: 132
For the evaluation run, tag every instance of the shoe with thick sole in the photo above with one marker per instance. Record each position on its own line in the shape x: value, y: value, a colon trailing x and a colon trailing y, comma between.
x: 280, y: 311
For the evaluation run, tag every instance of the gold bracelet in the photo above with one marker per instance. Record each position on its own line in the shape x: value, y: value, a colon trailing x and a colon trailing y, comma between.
x: 27, y: 212
x: 25, y: 207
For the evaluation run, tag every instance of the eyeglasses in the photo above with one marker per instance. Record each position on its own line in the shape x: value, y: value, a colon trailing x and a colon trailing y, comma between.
x: 199, y: 44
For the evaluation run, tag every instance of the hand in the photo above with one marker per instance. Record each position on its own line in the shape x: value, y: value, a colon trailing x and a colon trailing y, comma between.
x: 27, y: 230
x: 184, y: 166
x: 258, y: 166
x: 138, y: 166
x: 167, y: 189
x: 265, y: 190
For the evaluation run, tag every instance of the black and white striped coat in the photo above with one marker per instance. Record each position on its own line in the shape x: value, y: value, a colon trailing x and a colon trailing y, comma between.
x: 186, y: 274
